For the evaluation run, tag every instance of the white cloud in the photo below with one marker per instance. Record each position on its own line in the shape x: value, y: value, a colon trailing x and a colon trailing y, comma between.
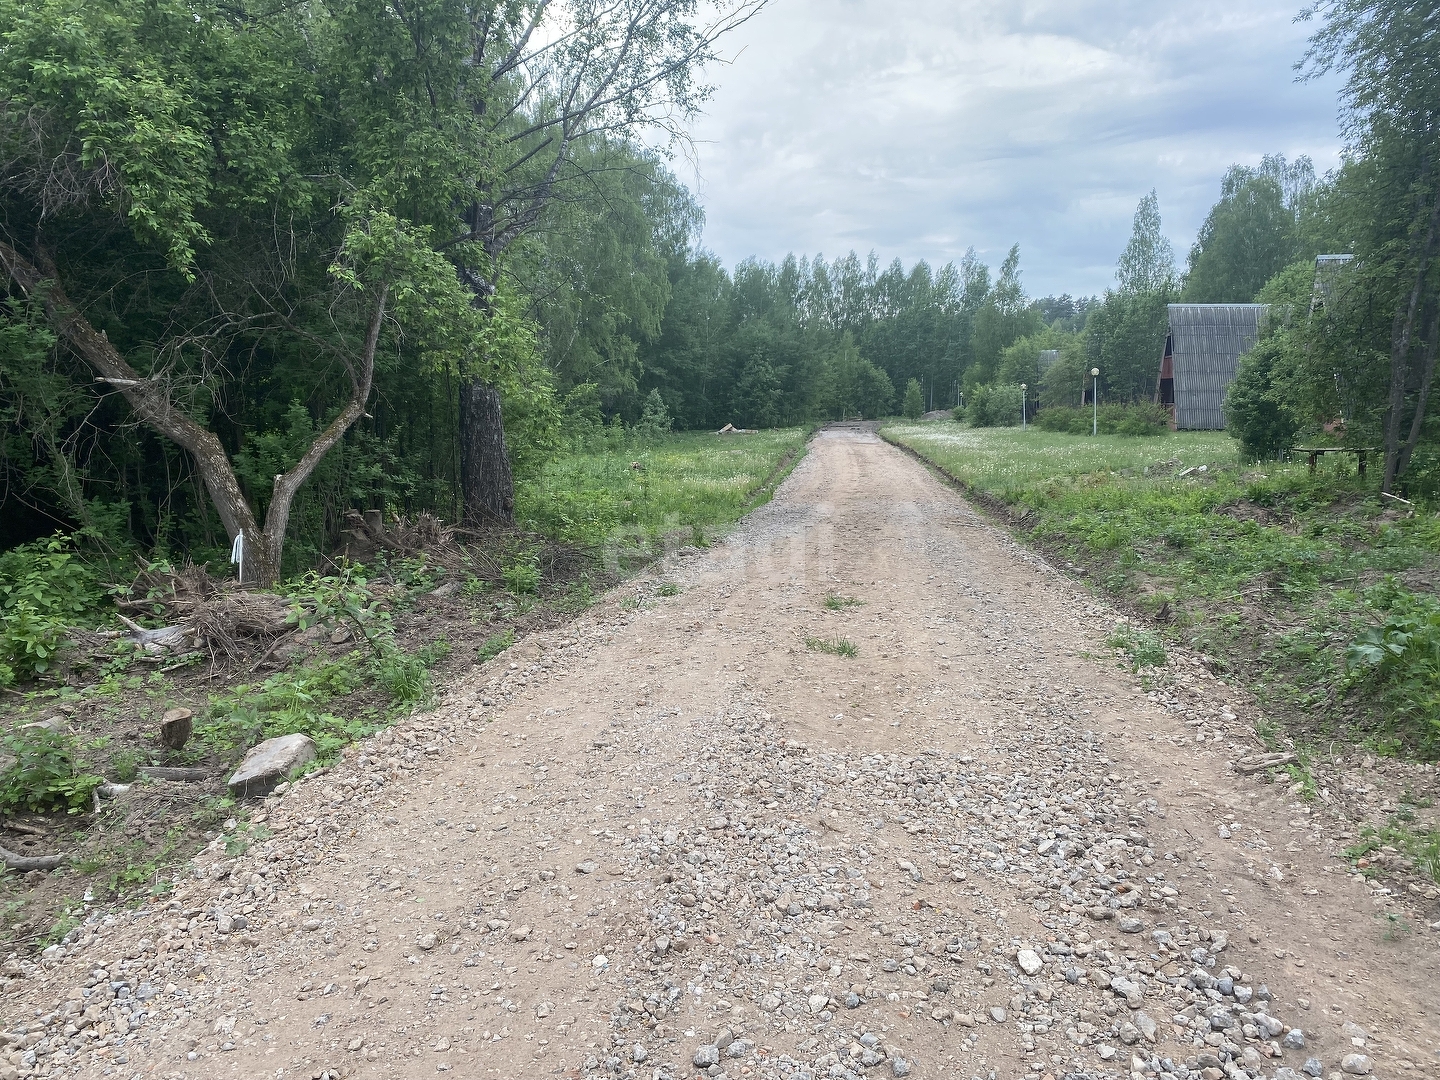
x: 919, y: 128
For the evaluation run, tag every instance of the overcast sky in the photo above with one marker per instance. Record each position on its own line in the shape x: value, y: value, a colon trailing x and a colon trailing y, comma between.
x: 919, y: 128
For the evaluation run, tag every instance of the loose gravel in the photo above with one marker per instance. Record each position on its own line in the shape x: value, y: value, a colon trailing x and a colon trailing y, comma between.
x: 670, y: 841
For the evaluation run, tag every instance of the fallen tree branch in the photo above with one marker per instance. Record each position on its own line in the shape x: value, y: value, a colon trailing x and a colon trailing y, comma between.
x: 266, y: 654
x: 157, y: 772
x: 1264, y: 761
x: 31, y: 862
x: 166, y: 635
x: 21, y: 827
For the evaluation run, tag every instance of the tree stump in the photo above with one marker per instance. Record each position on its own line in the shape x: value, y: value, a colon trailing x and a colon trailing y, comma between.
x: 175, y: 728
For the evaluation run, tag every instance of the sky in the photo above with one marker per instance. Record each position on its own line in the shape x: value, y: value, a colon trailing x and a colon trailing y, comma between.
x: 919, y: 128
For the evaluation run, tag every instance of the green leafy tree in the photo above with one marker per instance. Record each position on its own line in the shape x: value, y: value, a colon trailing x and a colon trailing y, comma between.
x: 1147, y: 265
x: 1391, y: 98
x: 914, y: 404
x: 1250, y: 234
x: 1256, y: 412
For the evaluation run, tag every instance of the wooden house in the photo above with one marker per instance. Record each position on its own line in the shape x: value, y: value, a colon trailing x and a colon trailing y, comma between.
x: 1203, y: 345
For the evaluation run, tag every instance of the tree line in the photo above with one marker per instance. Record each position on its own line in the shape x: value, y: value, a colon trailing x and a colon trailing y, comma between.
x: 268, y: 263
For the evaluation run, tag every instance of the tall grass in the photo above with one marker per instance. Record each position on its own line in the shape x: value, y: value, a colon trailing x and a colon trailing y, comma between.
x: 690, y: 481
x: 1274, y: 571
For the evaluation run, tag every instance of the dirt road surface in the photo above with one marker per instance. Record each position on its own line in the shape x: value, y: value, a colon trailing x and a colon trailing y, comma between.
x: 673, y: 839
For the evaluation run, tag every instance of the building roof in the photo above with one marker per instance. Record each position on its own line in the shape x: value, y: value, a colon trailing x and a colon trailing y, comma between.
x: 1327, y: 278
x: 1207, y: 341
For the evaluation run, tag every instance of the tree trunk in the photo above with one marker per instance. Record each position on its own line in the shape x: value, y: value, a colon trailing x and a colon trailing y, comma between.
x: 1422, y: 401
x: 1400, y: 344
x: 151, y: 401
x: 486, y: 487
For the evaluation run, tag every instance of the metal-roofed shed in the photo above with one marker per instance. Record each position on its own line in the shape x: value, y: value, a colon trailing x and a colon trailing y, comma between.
x: 1202, y: 349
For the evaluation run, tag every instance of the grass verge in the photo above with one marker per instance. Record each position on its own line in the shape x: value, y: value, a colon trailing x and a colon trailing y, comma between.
x: 1305, y: 587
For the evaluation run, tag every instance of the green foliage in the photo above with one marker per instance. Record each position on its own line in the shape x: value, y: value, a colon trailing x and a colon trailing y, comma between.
x: 914, y: 404
x: 993, y: 406
x: 301, y: 700
x: 1399, y: 659
x: 44, y: 589
x: 47, y: 773
x: 655, y: 421
x: 836, y: 602
x: 1140, y: 419
x: 343, y: 597
x: 494, y: 645
x: 1251, y: 234
x: 835, y: 646
x: 1143, y: 647
x: 1257, y: 412
x: 522, y: 575
x: 1147, y: 265
x: 406, y: 676
x: 1124, y: 338
x: 667, y: 588
x: 1257, y: 565
x: 694, y: 482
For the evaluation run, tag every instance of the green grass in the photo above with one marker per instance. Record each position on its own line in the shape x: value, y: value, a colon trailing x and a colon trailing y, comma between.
x: 1295, y: 584
x: 1143, y: 648
x: 1379, y: 848
x: 494, y: 646
x: 837, y: 646
x: 627, y: 497
x: 836, y: 602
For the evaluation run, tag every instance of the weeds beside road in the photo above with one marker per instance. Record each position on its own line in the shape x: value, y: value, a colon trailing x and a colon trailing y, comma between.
x: 1306, y: 589
x: 355, y: 655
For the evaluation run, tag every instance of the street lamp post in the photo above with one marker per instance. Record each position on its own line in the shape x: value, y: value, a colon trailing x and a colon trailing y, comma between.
x: 1095, y: 400
x: 1022, y: 406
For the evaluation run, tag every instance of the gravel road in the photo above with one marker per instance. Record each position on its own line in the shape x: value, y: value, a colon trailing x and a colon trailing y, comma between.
x: 671, y: 840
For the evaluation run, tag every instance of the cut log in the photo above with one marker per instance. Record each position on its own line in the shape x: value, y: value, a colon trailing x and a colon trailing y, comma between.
x: 31, y: 862
x: 175, y: 727
x: 157, y: 772
x: 1264, y: 761
x: 166, y: 635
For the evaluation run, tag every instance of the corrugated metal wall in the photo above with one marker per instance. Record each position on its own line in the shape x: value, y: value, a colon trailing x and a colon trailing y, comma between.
x: 1209, y: 339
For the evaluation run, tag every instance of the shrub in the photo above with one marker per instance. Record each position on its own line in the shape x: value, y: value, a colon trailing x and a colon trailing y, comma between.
x: 914, y: 403
x: 522, y: 576
x: 1400, y: 658
x: 993, y: 406
x: 1255, y: 413
x: 47, y: 775
x: 44, y: 589
x: 655, y: 421
x: 1140, y: 419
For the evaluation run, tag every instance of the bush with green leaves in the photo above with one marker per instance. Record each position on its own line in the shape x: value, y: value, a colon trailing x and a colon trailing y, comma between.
x: 45, y: 589
x: 993, y: 406
x: 522, y: 576
x: 1399, y: 658
x: 655, y: 420
x: 914, y: 404
x: 1115, y: 419
x: 1257, y: 413
x: 47, y: 774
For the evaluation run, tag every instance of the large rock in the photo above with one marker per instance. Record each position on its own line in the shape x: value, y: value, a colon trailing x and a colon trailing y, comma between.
x: 273, y: 761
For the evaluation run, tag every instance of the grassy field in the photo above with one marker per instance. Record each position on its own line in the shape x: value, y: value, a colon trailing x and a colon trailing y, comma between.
x: 636, y: 493
x: 1307, y: 587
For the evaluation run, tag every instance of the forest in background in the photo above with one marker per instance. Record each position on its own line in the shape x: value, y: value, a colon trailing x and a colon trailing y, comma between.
x: 266, y: 267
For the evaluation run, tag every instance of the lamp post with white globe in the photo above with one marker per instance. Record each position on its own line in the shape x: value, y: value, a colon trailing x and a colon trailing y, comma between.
x: 1095, y: 400
x: 1022, y: 406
